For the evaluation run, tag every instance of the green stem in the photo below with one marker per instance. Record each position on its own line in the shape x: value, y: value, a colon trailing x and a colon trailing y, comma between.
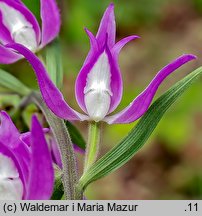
x: 92, y: 145
x: 69, y: 168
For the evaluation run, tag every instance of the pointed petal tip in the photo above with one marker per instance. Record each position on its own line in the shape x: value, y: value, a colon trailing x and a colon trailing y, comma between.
x: 184, y: 58
x: 136, y: 36
x: 107, y: 25
x: 110, y: 9
x: 111, y: 5
x: 4, y: 114
x: 34, y: 119
x: 88, y: 32
x: 35, y: 123
x: 133, y: 37
x: 120, y: 44
x: 190, y: 56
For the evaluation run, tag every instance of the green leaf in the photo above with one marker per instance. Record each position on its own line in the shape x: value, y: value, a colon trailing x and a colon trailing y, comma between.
x: 11, y: 83
x: 54, y: 63
x: 75, y: 135
x: 137, y: 137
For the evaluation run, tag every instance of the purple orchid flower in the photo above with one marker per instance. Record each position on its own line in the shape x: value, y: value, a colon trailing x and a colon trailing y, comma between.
x: 99, y: 84
x: 19, y: 25
x: 26, y: 170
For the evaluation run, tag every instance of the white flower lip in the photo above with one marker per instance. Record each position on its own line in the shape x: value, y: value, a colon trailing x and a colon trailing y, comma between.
x: 20, y: 29
x: 97, y: 92
x: 11, y: 187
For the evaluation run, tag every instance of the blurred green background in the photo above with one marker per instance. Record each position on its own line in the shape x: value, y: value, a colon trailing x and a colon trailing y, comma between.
x: 170, y: 165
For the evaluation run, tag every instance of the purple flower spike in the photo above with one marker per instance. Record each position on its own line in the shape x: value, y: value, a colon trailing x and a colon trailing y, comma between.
x: 19, y: 25
x: 99, y: 84
x: 41, y: 169
x: 26, y: 170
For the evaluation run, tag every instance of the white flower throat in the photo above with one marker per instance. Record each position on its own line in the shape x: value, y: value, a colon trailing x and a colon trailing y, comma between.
x: 97, y: 90
x: 11, y: 187
x: 20, y: 29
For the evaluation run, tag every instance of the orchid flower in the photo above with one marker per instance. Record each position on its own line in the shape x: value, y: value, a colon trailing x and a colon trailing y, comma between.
x: 99, y: 84
x: 26, y: 170
x: 19, y: 25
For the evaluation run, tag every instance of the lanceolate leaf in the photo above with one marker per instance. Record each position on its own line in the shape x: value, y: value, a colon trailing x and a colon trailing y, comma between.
x: 11, y: 83
x: 127, y: 148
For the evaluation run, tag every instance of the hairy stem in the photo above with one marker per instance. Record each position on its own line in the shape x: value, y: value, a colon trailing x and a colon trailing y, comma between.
x: 59, y: 130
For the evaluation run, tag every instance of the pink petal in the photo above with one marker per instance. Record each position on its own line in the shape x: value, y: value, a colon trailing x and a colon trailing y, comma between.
x: 50, y: 20
x: 119, y: 45
x: 88, y: 64
x: 93, y: 47
x: 142, y: 102
x: 9, y: 136
x: 8, y: 131
x: 7, y: 56
x: 116, y: 79
x: 5, y: 36
x: 107, y: 27
x: 51, y: 94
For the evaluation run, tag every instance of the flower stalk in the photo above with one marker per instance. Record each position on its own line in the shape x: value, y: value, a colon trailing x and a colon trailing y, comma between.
x: 93, y: 144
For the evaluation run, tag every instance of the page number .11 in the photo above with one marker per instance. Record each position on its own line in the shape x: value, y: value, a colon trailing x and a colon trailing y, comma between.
x: 192, y: 207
